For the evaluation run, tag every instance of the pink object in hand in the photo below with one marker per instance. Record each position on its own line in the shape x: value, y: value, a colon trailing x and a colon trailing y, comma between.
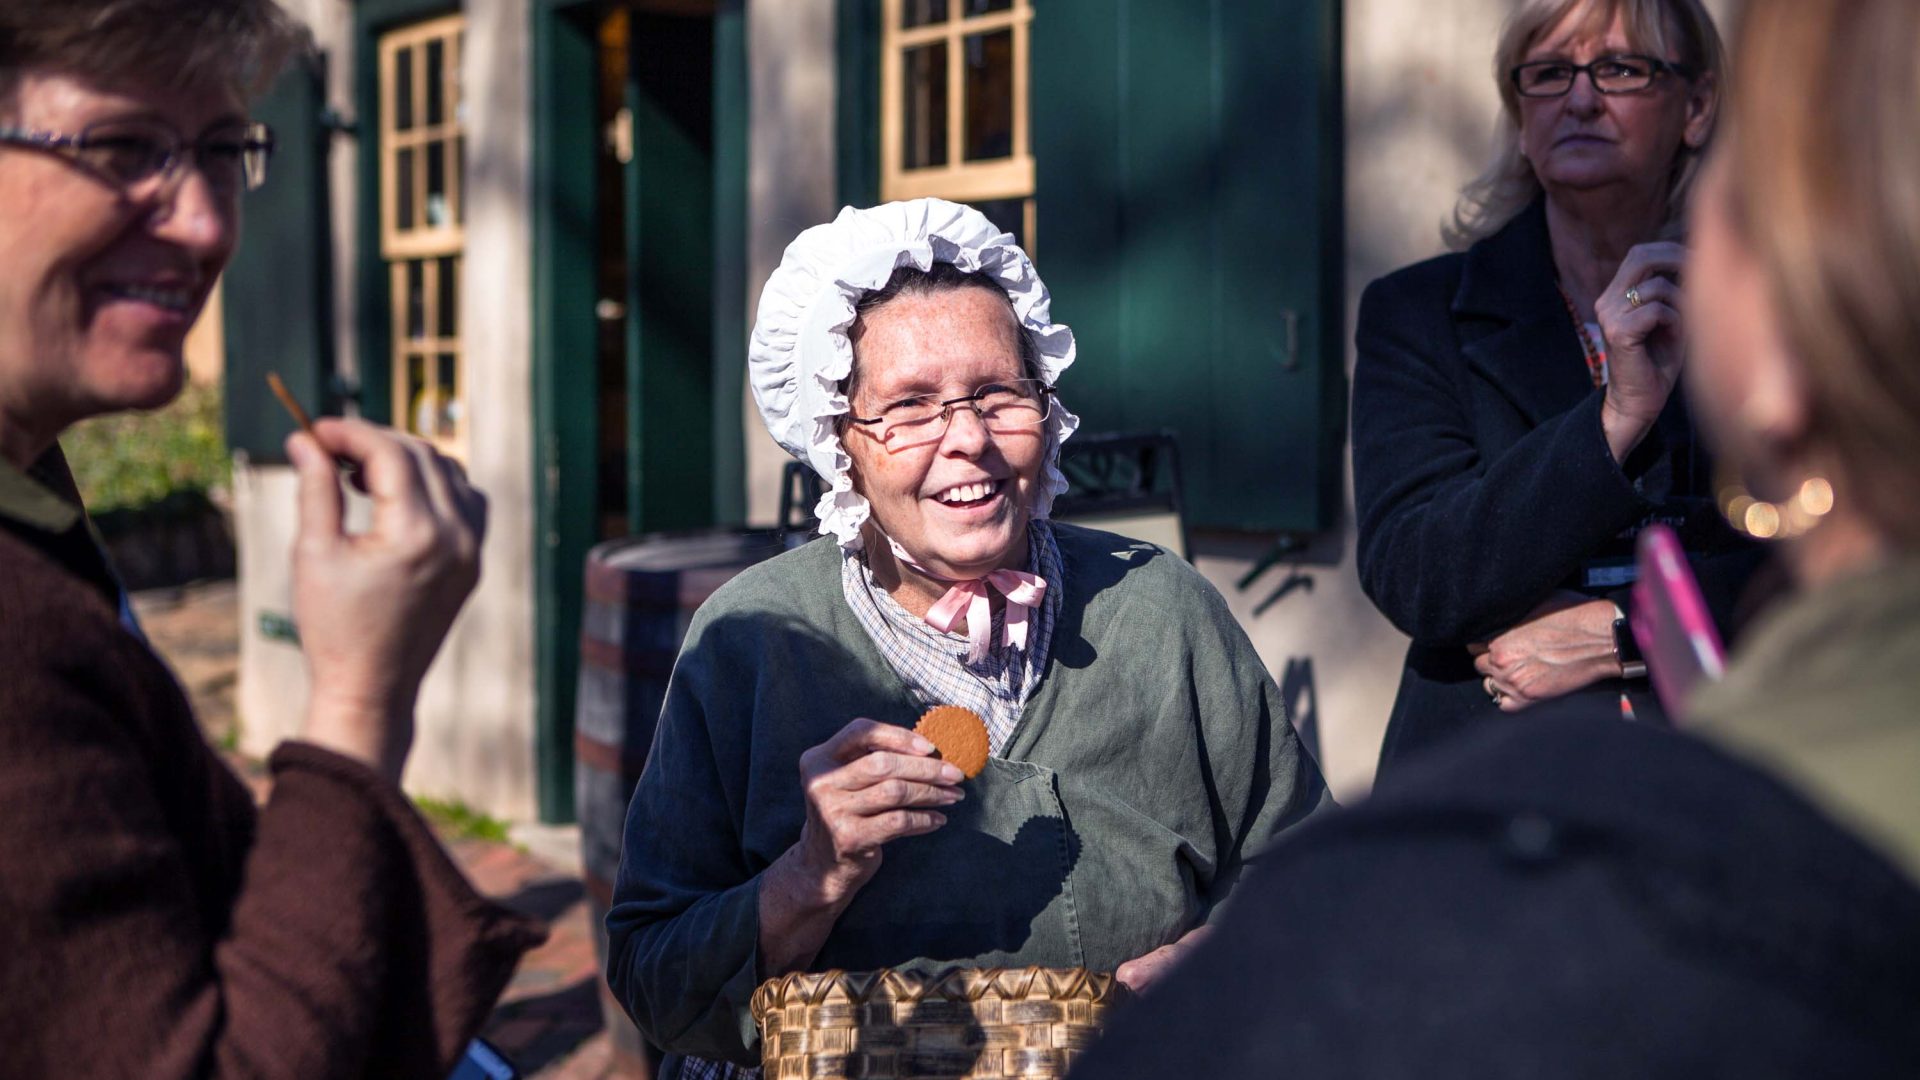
x: 1670, y: 621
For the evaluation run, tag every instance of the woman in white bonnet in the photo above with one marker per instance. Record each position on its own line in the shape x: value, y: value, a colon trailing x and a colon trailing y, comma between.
x: 790, y: 819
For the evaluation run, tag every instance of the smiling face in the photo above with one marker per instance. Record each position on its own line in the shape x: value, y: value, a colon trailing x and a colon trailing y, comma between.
x: 960, y: 505
x: 100, y: 287
x: 1585, y: 139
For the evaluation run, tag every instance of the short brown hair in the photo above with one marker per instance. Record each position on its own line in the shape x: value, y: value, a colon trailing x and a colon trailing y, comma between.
x: 235, y: 44
x: 940, y: 277
x: 1824, y: 186
x: 1673, y: 29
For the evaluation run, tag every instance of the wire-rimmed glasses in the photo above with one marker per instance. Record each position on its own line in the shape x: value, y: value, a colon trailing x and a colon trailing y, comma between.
x: 1010, y: 407
x: 142, y: 157
x: 1625, y: 73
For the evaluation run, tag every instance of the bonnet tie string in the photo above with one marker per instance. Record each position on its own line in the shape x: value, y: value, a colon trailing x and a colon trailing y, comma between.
x: 968, y: 600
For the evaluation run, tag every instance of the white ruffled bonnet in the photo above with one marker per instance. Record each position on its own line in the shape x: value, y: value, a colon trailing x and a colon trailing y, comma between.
x: 800, y: 354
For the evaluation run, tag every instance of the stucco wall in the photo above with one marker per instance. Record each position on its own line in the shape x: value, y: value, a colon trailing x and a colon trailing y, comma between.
x: 790, y: 179
x: 475, y: 721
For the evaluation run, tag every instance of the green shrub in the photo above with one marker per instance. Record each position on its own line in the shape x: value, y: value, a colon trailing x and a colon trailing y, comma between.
x: 133, y: 461
x: 455, y: 820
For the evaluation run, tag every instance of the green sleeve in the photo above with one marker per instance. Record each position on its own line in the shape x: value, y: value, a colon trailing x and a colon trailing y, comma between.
x: 1264, y: 779
x: 683, y: 930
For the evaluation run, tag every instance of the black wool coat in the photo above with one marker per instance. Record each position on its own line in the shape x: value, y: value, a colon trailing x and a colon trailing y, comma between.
x: 1557, y: 896
x: 1483, y: 481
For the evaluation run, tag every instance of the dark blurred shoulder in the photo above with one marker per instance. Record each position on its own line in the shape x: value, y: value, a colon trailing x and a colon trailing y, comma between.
x: 1538, y: 881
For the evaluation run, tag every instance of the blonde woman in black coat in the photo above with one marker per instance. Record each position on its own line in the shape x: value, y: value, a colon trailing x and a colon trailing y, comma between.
x: 1514, y: 415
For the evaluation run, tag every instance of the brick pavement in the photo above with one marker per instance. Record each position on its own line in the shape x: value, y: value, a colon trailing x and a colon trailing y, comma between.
x: 549, y: 1019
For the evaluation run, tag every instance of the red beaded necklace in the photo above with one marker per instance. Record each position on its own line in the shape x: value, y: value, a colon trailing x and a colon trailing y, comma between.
x: 1596, y: 356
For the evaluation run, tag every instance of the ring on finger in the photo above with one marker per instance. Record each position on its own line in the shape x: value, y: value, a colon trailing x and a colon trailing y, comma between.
x: 1492, y: 690
x: 1633, y: 296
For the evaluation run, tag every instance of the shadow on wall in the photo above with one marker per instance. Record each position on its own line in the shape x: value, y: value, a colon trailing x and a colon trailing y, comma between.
x: 497, y: 166
x: 1416, y: 132
x: 1303, y: 702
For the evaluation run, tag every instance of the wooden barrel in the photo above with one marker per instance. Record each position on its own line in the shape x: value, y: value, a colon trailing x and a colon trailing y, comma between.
x: 640, y: 594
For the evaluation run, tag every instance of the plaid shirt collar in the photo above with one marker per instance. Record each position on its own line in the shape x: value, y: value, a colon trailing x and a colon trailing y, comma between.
x: 933, y: 664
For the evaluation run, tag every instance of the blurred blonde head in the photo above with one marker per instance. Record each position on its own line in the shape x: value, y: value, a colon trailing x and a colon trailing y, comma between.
x: 1672, y: 29
x: 1821, y: 182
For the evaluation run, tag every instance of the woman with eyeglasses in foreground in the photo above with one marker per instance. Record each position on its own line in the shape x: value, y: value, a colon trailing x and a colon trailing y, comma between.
x: 1513, y: 416
x: 1750, y: 905
x: 789, y: 818
x: 152, y: 922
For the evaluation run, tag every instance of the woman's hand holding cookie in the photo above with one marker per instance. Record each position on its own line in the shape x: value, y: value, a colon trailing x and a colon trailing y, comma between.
x: 869, y: 784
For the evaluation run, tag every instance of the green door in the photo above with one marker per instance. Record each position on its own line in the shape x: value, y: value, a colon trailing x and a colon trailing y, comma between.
x: 639, y: 173
x: 1189, y: 226
x: 278, y: 297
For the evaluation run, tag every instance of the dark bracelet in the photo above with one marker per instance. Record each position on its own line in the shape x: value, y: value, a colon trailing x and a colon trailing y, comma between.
x: 1626, y: 651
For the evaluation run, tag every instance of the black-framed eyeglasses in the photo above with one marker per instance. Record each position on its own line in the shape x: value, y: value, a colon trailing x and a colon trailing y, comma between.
x: 145, y: 156
x: 1625, y: 73
x: 1012, y: 407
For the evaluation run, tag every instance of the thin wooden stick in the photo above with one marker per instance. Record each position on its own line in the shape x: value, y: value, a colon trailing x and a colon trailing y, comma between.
x: 348, y: 469
x: 280, y: 391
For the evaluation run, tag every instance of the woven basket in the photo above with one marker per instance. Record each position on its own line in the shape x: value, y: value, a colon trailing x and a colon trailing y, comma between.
x: 950, y: 1024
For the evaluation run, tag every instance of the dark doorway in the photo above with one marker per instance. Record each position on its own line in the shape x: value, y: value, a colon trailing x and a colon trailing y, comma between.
x: 655, y: 258
x: 639, y: 170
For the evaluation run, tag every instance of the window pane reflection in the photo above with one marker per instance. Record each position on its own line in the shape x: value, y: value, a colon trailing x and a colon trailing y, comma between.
x: 921, y: 12
x: 447, y: 388
x: 449, y: 297
x: 403, y: 191
x: 437, y: 184
x: 989, y: 95
x: 403, y: 89
x: 925, y: 73
x: 436, y: 82
x: 982, y: 7
x: 417, y: 418
x: 416, y: 299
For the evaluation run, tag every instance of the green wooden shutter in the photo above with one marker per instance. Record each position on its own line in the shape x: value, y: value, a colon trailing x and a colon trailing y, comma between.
x: 670, y: 273
x: 277, y: 292
x: 857, y: 102
x: 1189, y: 226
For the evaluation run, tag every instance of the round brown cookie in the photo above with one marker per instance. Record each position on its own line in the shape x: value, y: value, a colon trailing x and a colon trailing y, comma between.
x: 959, y: 735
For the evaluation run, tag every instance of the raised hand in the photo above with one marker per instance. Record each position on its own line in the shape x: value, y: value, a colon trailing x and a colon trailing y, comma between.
x: 1640, y: 315
x: 373, y: 607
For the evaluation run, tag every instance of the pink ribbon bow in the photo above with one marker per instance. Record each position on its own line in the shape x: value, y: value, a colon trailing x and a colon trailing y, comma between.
x: 968, y: 600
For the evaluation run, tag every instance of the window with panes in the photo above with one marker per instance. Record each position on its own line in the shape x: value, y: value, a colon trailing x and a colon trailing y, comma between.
x: 954, y: 106
x: 423, y: 224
